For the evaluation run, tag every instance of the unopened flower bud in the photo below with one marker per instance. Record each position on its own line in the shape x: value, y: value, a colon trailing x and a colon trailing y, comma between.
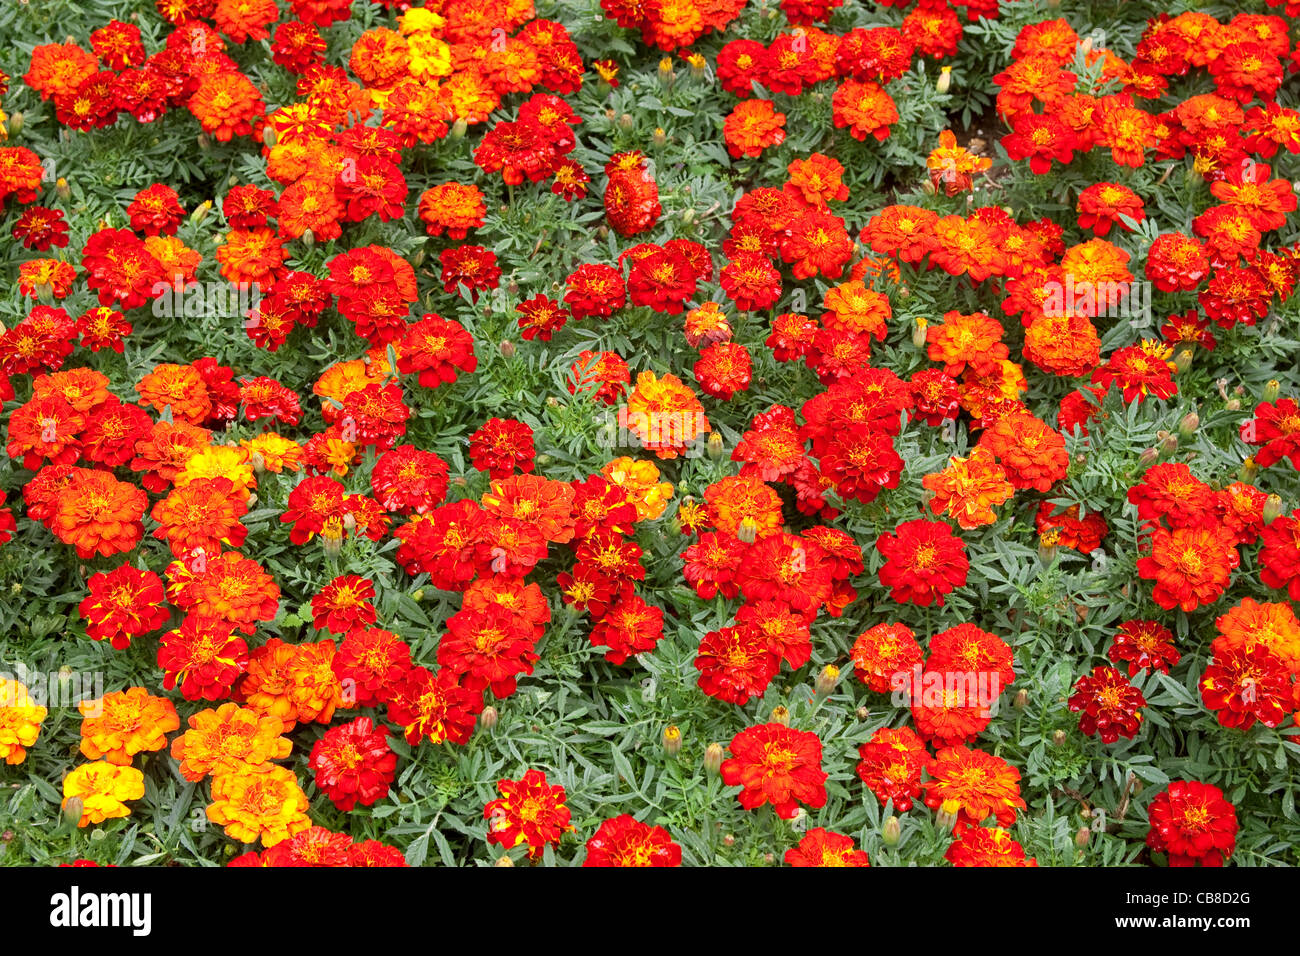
x: 418, y: 595
x: 891, y: 831
x: 1183, y: 359
x: 688, y: 215
x: 666, y: 69
x: 945, y: 819
x: 308, y: 238
x: 659, y: 137
x: 61, y: 189
x: 863, y: 713
x: 1249, y: 470
x: 826, y: 680
x: 712, y: 758
x: 1271, y: 390
x: 15, y: 124
x: 507, y: 349
x: 715, y: 446
x: 672, y: 740
x: 504, y: 861
x: 918, y: 332
x: 626, y: 121
x: 1233, y: 404
x: 1021, y: 699
x: 729, y: 840
x: 781, y: 715
x: 72, y: 809
x: 1168, y: 444
x: 1272, y: 508
x: 258, y: 462
x: 1058, y: 738
x: 252, y: 500
x: 748, y: 530
x: 1081, y: 838
x: 458, y: 128
x: 1148, y: 457
x: 769, y: 858
x: 945, y: 80
x: 1187, y: 427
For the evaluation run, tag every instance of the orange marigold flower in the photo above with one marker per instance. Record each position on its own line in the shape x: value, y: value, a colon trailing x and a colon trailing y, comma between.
x: 882, y: 651
x: 206, y: 513
x: 924, y: 560
x: 263, y: 802
x: 98, y: 514
x: 1031, y: 452
x: 639, y: 479
x: 225, y: 104
x: 968, y: 488
x: 952, y: 166
x: 1273, y: 624
x: 178, y: 387
x: 665, y: 415
x: 252, y: 257
x: 972, y: 786
x: 1191, y: 566
x: 452, y: 208
x: 229, y: 739
x: 744, y: 501
x: 102, y: 790
x: 865, y: 109
x: 228, y: 585
x: 120, y: 725
x: 966, y: 340
x: 987, y: 846
x: 753, y: 126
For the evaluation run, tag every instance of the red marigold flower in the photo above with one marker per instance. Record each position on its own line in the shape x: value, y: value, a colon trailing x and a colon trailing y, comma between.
x: 408, y: 480
x: 1040, y: 138
x: 313, y: 846
x: 594, y: 289
x: 724, y: 369
x: 821, y: 847
x: 751, y: 282
x: 949, y: 706
x: 369, y: 664
x: 1176, y: 262
x: 1103, y: 205
x: 972, y: 786
x: 203, y: 657
x: 474, y: 267
x: 624, y: 841
x: 353, y: 764
x: 882, y: 651
x: 735, y: 664
x: 776, y: 764
x: 891, y: 765
x: 344, y: 605
x: 987, y: 846
x: 101, y: 327
x: 817, y: 244
x: 541, y: 318
x: 1276, y: 428
x: 435, y: 348
x: 123, y: 604
x: 39, y: 228
x: 1193, y: 823
x: 530, y: 810
x: 488, y: 649
x: 923, y: 562
x: 1170, y: 491
x: 156, y: 211
x: 435, y: 706
x: 121, y: 268
x: 628, y: 628
x: 784, y: 630
x: 1111, y: 706
x: 1191, y: 566
x: 500, y: 446
x: 1246, y: 684
x: 631, y: 197
x: 1145, y: 645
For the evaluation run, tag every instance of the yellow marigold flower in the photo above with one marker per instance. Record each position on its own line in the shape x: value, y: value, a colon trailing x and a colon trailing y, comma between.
x: 120, y: 725
x: 313, y: 687
x: 20, y: 721
x: 263, y: 803
x: 219, y: 461
x: 420, y: 20
x: 640, y: 479
x: 103, y: 789
x: 227, y: 740
x: 665, y: 414
x: 276, y: 453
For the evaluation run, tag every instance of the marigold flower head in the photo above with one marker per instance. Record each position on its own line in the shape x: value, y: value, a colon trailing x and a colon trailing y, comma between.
x: 973, y: 785
x: 891, y: 765
x: 987, y: 846
x: 20, y: 721
x: 776, y: 764
x: 968, y: 488
x: 1193, y: 823
x: 259, y: 803
x: 102, y: 790
x: 624, y: 841
x: 353, y: 764
x: 821, y: 847
x: 923, y: 562
x: 122, y: 724
x: 228, y: 739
